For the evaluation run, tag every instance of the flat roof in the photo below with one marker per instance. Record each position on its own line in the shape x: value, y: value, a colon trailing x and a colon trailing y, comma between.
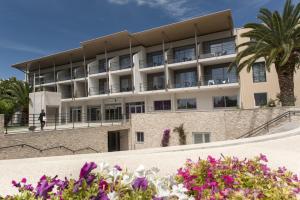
x: 210, y: 23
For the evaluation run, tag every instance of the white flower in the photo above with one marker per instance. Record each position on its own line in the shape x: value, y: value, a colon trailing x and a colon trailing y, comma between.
x: 179, y: 191
x: 113, y: 195
x: 140, y: 171
x: 126, y: 179
x: 103, y: 167
x: 114, y: 173
x: 162, y: 189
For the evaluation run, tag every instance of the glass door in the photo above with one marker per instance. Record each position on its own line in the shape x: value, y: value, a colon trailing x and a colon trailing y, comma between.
x: 94, y: 114
x: 75, y: 114
x: 113, y: 112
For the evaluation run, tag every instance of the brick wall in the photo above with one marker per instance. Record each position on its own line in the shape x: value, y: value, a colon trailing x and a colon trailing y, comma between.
x: 221, y: 124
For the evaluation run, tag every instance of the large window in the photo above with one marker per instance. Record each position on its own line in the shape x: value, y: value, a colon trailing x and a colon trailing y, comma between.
x: 220, y: 74
x: 156, y: 81
x: 162, y: 105
x: 259, y: 72
x: 219, y: 47
x: 102, y: 65
x: 125, y: 83
x: 125, y: 61
x: 103, y: 86
x: 185, y: 78
x: 201, y: 138
x: 182, y: 54
x: 186, y: 104
x: 260, y: 99
x: 154, y: 59
x: 225, y: 101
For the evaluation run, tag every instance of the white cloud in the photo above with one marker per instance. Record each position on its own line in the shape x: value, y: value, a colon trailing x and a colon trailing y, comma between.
x: 175, y: 8
x: 6, y: 44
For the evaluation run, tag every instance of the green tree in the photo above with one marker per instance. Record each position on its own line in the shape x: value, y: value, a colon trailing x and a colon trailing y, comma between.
x: 181, y: 134
x: 277, y: 40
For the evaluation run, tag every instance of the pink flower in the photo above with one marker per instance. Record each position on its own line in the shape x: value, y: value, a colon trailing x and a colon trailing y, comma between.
x: 23, y: 180
x: 211, y: 160
x: 263, y: 158
x: 229, y: 180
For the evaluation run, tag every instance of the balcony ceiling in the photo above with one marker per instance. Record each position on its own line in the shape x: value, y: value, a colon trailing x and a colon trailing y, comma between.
x: 211, y: 23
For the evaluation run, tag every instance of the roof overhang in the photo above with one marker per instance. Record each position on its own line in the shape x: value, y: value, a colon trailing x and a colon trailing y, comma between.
x: 203, y: 25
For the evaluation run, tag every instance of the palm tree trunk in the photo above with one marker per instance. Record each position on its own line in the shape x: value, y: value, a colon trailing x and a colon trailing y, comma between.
x: 286, y: 85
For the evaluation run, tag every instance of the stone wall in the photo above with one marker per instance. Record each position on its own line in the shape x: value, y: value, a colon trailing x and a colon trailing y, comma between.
x: 2, y: 124
x: 221, y: 124
x: 73, y: 139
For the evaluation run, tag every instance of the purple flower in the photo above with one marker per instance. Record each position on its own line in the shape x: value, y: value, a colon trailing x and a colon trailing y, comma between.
x: 15, y: 184
x: 140, y: 183
x: 118, y: 167
x: 86, y: 169
x: 44, y: 188
x: 103, y: 185
x: 263, y: 158
x: 100, y: 196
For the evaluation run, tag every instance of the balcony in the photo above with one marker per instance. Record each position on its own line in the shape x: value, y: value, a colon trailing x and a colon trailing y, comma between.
x: 146, y: 64
x: 209, y: 80
x: 116, y: 89
x: 114, y: 66
x: 45, y: 79
x: 152, y: 86
x: 78, y: 73
x: 217, y: 48
x: 184, y: 84
x: 97, y: 91
x: 64, y: 75
x: 97, y: 67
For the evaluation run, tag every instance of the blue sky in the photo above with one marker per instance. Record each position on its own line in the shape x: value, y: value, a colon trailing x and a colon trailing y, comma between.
x: 34, y: 28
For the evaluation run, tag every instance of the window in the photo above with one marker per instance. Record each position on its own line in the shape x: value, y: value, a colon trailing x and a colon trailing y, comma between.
x: 124, y: 61
x: 125, y: 83
x: 260, y: 99
x: 186, y: 104
x: 183, y: 54
x: 219, y: 74
x: 140, y: 137
x: 259, y: 72
x: 185, y: 78
x: 219, y: 47
x: 156, y: 81
x: 155, y: 59
x: 225, y: 101
x: 201, y: 138
x: 102, y: 65
x: 162, y: 105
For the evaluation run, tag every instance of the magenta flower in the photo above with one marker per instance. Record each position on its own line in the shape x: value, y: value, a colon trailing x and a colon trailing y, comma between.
x: 100, y: 196
x: 103, y: 185
x: 263, y: 158
x: 229, y: 180
x: 140, y: 184
x: 86, y: 169
x: 211, y: 160
x: 44, y: 188
x: 23, y: 180
x: 15, y: 184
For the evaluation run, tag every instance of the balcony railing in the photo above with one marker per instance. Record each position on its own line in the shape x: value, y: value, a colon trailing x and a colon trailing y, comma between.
x: 213, y: 80
x: 145, y: 64
x: 114, y: 66
x: 222, y: 50
x: 63, y: 75
x: 181, y: 59
x: 98, y: 91
x: 185, y: 84
x: 95, y: 68
x: 152, y: 86
x: 79, y: 73
x: 116, y: 89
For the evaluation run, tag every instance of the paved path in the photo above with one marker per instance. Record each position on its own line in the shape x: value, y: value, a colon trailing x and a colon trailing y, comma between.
x: 282, y: 149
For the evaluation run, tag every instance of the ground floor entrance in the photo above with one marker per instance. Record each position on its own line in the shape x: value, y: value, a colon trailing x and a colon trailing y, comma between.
x: 118, y: 140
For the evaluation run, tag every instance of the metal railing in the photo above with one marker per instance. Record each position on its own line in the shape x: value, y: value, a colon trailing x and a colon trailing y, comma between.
x: 184, y: 84
x: 145, y: 64
x: 222, y: 50
x: 114, y: 66
x: 266, y: 126
x: 78, y: 73
x: 75, y: 119
x: 172, y: 60
x: 95, y: 68
x: 218, y: 80
x: 98, y: 91
x: 63, y: 75
x: 152, y: 86
x: 117, y: 89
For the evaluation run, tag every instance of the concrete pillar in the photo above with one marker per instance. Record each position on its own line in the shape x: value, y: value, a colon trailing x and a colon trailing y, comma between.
x: 102, y: 111
x: 2, y: 129
x: 173, y: 102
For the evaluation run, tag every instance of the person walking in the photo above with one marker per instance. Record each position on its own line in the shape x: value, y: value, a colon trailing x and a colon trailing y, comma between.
x: 42, y: 119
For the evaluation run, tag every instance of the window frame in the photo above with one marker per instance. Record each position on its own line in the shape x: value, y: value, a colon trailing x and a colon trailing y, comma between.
x: 260, y: 78
x: 163, y: 101
x: 203, y: 134
x: 259, y: 93
x: 140, y: 137
x: 225, y: 98
x: 186, y: 106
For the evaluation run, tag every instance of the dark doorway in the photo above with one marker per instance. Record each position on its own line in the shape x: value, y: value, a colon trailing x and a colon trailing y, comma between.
x: 114, y: 141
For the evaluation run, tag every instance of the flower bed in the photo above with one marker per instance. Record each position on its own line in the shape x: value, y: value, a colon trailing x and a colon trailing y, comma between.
x: 224, y: 178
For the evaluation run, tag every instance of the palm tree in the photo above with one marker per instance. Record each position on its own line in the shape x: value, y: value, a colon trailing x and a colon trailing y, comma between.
x: 18, y: 93
x: 277, y: 40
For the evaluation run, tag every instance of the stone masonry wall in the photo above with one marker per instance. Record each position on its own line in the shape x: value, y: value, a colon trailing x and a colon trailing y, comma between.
x: 221, y: 124
x: 1, y: 123
x: 74, y: 139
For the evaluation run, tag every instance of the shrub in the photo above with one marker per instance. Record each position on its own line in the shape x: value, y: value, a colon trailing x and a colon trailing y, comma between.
x: 166, y: 138
x: 181, y: 134
x: 226, y: 178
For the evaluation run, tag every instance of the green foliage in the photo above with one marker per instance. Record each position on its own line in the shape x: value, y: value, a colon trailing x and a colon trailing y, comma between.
x: 6, y: 107
x: 181, y: 133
